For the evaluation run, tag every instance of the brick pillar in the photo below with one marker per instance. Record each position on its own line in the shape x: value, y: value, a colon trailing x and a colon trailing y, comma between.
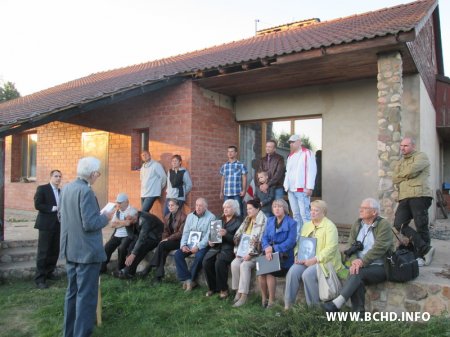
x: 390, y: 91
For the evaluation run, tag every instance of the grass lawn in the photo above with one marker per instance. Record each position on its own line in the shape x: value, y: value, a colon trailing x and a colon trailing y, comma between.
x: 135, y: 308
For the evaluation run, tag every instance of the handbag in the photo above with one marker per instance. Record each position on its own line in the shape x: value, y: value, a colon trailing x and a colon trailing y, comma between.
x: 401, y: 265
x: 329, y: 287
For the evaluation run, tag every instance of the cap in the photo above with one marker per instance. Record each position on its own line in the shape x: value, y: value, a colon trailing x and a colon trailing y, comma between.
x: 121, y: 197
x: 294, y: 138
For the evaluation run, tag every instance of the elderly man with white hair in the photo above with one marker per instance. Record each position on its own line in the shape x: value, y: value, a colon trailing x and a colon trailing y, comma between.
x: 370, y: 240
x: 82, y: 245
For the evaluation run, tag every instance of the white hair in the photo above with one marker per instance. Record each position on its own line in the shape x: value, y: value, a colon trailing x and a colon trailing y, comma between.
x: 87, y: 166
x: 234, y: 205
x: 203, y: 200
x: 373, y: 203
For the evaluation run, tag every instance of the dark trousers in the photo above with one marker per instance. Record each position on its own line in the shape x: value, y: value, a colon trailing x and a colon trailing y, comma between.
x: 417, y: 209
x: 121, y: 244
x: 354, y: 287
x: 140, y: 254
x: 47, y: 254
x: 183, y: 272
x: 216, y: 271
x: 159, y: 257
x: 147, y: 203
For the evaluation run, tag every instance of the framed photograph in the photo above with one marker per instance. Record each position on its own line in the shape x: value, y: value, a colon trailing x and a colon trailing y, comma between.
x: 307, y: 248
x: 194, y: 239
x: 244, y: 245
x: 215, y: 226
x: 263, y: 266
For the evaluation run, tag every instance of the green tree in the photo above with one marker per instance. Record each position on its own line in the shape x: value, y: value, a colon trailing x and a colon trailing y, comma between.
x: 8, y: 91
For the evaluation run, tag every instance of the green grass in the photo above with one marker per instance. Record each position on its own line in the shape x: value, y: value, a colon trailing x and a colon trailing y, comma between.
x: 135, y: 308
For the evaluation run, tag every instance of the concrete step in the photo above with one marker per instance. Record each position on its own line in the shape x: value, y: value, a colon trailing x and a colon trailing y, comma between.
x: 25, y: 270
x: 18, y: 254
x: 18, y: 243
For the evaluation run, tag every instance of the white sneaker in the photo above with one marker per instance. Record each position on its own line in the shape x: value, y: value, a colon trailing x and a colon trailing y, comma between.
x: 429, y: 256
x: 420, y: 262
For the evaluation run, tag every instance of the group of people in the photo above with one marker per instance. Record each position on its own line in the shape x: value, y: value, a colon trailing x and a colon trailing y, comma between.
x: 265, y: 229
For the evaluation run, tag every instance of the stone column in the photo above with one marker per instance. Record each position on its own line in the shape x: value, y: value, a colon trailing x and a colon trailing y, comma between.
x: 390, y: 91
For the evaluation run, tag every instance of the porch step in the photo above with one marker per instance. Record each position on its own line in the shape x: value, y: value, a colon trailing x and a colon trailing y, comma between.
x: 18, y: 254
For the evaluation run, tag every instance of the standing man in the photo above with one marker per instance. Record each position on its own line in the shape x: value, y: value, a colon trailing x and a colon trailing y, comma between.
x: 233, y: 184
x: 82, y: 245
x: 273, y: 164
x: 299, y: 181
x: 414, y: 194
x: 46, y: 201
x: 153, y: 180
x: 197, y: 221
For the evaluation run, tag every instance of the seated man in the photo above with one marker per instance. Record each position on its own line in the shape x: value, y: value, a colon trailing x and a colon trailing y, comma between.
x: 197, y: 221
x: 369, y: 242
x: 123, y: 235
x: 150, y: 229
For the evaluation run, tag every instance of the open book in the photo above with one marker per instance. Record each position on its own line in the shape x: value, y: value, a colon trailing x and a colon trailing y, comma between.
x: 108, y: 207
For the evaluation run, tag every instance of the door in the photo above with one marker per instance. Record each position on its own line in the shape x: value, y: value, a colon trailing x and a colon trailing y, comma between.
x: 95, y: 144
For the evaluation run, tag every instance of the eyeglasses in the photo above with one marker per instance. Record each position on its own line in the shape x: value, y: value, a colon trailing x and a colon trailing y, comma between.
x: 97, y: 174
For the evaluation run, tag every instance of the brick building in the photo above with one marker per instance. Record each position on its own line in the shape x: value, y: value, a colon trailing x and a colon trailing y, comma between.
x: 354, y: 86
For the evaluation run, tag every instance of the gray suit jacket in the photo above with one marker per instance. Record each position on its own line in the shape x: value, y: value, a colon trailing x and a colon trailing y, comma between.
x: 81, y: 224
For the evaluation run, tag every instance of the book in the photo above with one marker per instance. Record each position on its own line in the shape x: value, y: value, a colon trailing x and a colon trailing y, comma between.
x: 307, y: 248
x: 264, y: 266
x: 244, y: 245
x: 215, y: 227
x: 108, y: 207
x: 194, y: 239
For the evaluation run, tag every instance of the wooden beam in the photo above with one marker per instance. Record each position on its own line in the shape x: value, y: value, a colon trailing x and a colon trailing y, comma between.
x: 2, y: 189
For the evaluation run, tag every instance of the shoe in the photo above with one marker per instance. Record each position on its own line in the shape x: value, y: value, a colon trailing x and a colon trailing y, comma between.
x: 420, y: 262
x: 41, y: 285
x: 116, y: 273
x: 270, y: 305
x: 125, y: 275
x: 237, y: 297
x: 264, y: 303
x: 53, y: 277
x: 190, y: 285
x: 184, y: 285
x: 223, y: 294
x: 428, y: 257
x: 329, y: 307
x: 157, y: 281
x: 241, y: 301
x: 209, y: 293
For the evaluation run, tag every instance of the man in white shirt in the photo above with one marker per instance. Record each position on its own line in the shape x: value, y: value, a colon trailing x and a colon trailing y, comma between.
x: 123, y: 235
x: 153, y: 180
x: 299, y: 180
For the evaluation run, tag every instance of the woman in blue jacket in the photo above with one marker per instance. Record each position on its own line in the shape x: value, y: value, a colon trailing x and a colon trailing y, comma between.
x: 279, y: 236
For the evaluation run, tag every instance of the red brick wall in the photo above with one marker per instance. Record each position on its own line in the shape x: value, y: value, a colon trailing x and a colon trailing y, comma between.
x: 179, y: 119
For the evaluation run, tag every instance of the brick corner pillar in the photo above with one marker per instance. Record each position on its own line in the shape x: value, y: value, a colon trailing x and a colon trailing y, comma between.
x: 390, y: 92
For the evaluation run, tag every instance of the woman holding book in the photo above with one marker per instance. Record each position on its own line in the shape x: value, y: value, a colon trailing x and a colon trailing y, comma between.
x: 250, y: 231
x: 325, y: 233
x: 279, y: 237
x: 220, y: 255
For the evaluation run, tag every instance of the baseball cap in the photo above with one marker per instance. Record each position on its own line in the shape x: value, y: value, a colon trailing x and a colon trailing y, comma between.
x: 121, y: 197
x: 294, y: 138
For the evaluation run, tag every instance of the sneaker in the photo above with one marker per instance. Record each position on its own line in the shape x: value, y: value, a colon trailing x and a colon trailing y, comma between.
x: 329, y: 306
x: 428, y: 257
x: 420, y: 262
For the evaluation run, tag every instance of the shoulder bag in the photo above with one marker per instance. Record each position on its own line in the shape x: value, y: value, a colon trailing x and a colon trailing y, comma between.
x: 329, y: 287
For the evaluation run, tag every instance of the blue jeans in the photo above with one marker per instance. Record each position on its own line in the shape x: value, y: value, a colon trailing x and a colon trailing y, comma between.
x: 147, y: 203
x: 299, y: 203
x: 279, y: 193
x: 239, y: 200
x: 81, y: 299
x: 183, y: 272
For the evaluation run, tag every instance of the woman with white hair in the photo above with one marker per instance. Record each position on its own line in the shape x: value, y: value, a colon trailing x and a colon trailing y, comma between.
x: 82, y: 245
x: 218, y: 258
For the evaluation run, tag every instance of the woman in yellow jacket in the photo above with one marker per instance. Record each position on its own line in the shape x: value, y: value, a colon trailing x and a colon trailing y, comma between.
x: 327, y: 250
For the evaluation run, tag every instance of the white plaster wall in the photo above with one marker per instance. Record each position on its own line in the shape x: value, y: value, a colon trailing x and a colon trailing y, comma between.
x: 349, y: 159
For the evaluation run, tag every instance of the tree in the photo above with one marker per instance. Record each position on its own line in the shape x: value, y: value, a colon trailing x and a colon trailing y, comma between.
x: 8, y: 91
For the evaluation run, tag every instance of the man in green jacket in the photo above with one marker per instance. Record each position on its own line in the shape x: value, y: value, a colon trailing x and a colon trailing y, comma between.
x: 369, y: 241
x: 414, y: 194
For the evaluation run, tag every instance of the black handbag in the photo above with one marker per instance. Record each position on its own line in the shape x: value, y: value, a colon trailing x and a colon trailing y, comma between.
x: 401, y: 265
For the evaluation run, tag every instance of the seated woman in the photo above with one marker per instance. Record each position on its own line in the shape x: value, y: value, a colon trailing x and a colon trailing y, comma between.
x: 241, y: 267
x: 173, y: 230
x: 220, y: 255
x: 327, y: 250
x: 279, y: 236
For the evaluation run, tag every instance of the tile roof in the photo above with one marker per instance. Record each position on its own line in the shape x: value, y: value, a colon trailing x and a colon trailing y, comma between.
x: 393, y: 20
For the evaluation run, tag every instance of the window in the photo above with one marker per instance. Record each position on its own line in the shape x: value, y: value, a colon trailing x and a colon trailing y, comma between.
x: 29, y: 155
x: 139, y: 143
x: 254, y: 135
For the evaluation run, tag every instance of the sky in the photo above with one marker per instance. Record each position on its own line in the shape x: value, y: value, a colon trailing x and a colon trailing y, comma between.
x: 50, y: 42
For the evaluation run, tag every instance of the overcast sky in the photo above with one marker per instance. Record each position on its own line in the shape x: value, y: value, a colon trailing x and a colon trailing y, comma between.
x: 49, y: 42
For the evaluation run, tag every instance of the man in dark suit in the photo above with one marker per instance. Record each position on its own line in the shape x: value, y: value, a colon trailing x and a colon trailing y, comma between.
x: 46, y: 201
